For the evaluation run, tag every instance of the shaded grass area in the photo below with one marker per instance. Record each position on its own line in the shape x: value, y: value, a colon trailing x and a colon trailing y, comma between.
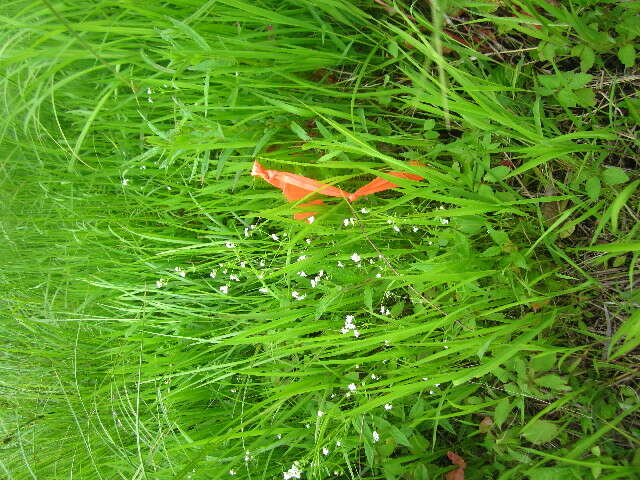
x: 149, y: 323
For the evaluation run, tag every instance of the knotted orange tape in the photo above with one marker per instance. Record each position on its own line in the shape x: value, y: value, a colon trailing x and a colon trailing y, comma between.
x: 295, y: 187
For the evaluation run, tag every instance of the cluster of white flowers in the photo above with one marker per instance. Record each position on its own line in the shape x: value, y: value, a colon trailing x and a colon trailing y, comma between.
x: 125, y: 182
x: 388, y: 406
x: 349, y: 221
x: 234, y: 278
x: 224, y: 289
x: 384, y: 310
x: 297, y: 296
x: 180, y: 271
x: 356, y: 258
x: 364, y: 210
x: 376, y: 437
x: 349, y: 326
x: 316, y: 280
x: 161, y: 283
x: 352, y: 387
x: 444, y: 221
x: 229, y: 244
x: 293, y: 472
x: 275, y: 237
x: 325, y: 451
x: 213, y: 274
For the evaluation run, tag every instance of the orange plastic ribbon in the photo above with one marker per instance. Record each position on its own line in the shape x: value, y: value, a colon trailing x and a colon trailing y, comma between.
x: 295, y: 187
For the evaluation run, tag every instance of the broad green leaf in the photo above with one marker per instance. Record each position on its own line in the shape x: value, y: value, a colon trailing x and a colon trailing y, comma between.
x: 627, y: 55
x: 614, y: 176
x: 592, y: 187
x: 587, y: 58
x: 540, y: 431
x: 503, y: 408
x: 554, y: 382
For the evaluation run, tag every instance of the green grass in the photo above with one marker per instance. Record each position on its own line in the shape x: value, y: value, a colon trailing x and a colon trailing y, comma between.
x: 504, y: 285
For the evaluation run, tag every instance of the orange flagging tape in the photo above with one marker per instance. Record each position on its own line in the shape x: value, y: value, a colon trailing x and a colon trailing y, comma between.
x: 295, y: 187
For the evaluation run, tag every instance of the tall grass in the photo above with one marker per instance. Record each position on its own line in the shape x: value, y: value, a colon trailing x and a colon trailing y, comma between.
x: 149, y: 323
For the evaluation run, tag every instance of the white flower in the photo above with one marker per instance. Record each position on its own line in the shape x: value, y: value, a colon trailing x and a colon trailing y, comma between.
x: 388, y: 406
x: 302, y: 257
x: 261, y: 263
x: 307, y: 426
x: 444, y: 221
x: 247, y: 456
x: 386, y: 343
x: 279, y: 436
x: 213, y: 274
x: 352, y: 387
x: 446, y: 346
x: 430, y: 392
x: 263, y: 290
x: 436, y: 384
x: 415, y: 229
x: 293, y: 472
x: 275, y: 237
x: 125, y: 181
x: 396, y: 228
x: 389, y: 221
x: 344, y: 330
x: 325, y: 451
x: 314, y: 282
x: 150, y: 99
x: 384, y: 310
x: 297, y: 296
x: 243, y: 264
x: 252, y: 227
x: 425, y: 379
x: 149, y: 91
x: 376, y: 437
x: 378, y: 275
x: 349, y: 318
x: 355, y: 257
x: 308, y: 240
x: 246, y: 232
x: 232, y: 472
x: 311, y: 219
x: 338, y: 443
x: 302, y: 274
x: 224, y: 289
x: 234, y: 277
x: 374, y: 376
x: 229, y: 244
x: 161, y: 283
x: 356, y: 333
x: 340, y: 264
x: 364, y: 210
x: 320, y: 413
x: 321, y: 273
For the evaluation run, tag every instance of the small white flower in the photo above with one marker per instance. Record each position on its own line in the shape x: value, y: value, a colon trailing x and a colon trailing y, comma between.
x: 338, y: 443
x: 446, y: 346
x: 302, y: 274
x: 325, y: 451
x: 308, y: 240
x: 125, y: 181
x: 320, y: 413
x: 340, y: 264
x: 224, y: 289
x: 261, y: 263
x: 161, y: 283
x: 263, y: 290
x: 233, y: 390
x: 247, y: 456
x: 150, y: 99
x: 234, y: 277
x: 311, y: 219
x: 355, y: 257
x: 376, y: 437
x: 364, y: 210
x: 349, y: 318
x: 279, y: 436
x: 224, y: 271
x: 352, y: 387
x: 246, y: 232
x: 356, y: 333
x: 321, y: 273
x: 275, y: 237
x: 293, y: 472
x: 415, y: 229
x: 388, y: 406
x: 344, y: 330
x: 374, y: 376
x: 307, y: 426
x: 396, y: 228
x: 314, y: 282
x: 243, y: 264
x: 302, y: 257
x: 252, y: 227
x: 213, y: 274
x: 232, y: 472
x: 436, y: 384
x: 444, y: 221
x: 378, y: 275
x: 430, y: 392
x: 143, y: 167
x: 229, y: 244
x: 168, y: 188
x: 389, y: 222
x: 149, y: 91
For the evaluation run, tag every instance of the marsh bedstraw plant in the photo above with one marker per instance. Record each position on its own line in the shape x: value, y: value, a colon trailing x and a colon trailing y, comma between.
x: 163, y: 316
